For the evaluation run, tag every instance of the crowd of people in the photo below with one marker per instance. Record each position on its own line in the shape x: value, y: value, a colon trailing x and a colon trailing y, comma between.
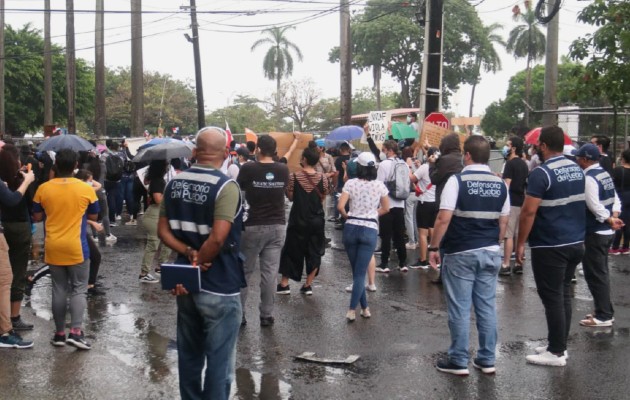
x: 225, y: 212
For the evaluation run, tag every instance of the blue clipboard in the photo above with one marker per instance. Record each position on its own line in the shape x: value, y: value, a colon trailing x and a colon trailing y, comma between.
x: 187, y: 275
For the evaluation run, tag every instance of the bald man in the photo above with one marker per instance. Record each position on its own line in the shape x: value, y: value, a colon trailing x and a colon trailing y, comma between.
x: 201, y: 219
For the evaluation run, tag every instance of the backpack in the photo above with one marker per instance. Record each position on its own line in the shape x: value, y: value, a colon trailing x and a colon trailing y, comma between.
x: 399, y: 184
x: 129, y: 167
x: 114, y: 166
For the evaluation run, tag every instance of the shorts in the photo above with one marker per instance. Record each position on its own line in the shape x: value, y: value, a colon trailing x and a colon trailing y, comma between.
x: 426, y: 213
x: 512, y: 226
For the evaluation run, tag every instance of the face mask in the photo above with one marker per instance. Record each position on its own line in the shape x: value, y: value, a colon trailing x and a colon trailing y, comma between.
x: 464, y: 160
x: 530, y: 151
x: 506, y: 151
x: 408, y: 120
x: 382, y: 156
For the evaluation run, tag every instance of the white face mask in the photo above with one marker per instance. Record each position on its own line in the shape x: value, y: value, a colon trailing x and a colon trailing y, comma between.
x: 408, y: 120
x: 530, y: 151
x: 382, y: 156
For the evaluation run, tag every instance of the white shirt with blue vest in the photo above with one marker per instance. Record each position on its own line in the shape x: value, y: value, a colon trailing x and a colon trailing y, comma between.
x: 601, y: 200
x: 477, y: 198
x: 561, y: 217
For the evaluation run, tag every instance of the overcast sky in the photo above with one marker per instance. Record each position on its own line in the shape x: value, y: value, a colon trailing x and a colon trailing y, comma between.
x: 228, y: 28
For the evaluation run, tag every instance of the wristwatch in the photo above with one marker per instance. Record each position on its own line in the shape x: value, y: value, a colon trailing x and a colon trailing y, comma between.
x: 433, y: 249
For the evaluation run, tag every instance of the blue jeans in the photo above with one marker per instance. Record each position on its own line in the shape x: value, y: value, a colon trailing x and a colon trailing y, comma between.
x: 113, y: 196
x: 471, y: 278
x: 360, y: 243
x: 207, y: 330
x: 126, y: 185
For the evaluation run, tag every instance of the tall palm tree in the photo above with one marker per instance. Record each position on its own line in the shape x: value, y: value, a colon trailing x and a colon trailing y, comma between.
x: 486, y: 56
x: 278, y: 61
x: 526, y: 41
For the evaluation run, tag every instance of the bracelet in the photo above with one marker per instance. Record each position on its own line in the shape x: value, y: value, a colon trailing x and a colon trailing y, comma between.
x: 433, y: 248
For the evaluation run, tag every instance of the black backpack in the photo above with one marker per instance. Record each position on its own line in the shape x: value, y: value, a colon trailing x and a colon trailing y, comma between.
x: 114, y: 166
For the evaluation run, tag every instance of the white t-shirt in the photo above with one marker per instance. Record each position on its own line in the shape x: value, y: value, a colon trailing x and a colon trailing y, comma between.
x: 424, y: 181
x: 383, y: 174
x: 364, y: 199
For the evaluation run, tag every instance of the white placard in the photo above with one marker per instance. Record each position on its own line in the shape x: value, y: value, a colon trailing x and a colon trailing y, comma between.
x: 377, y: 125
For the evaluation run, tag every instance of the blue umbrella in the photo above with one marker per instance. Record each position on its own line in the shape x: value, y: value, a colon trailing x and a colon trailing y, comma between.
x: 154, y: 142
x: 346, y: 132
x: 72, y: 142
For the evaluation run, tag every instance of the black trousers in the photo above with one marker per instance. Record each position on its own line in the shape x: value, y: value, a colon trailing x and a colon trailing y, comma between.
x: 596, y: 273
x: 392, y: 226
x: 95, y: 260
x: 554, y: 268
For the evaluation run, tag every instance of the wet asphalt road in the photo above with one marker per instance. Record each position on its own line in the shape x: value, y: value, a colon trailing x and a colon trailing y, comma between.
x: 132, y: 329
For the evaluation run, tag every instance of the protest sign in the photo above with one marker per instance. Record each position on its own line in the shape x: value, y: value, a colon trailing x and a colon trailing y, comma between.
x: 377, y: 126
x: 284, y: 141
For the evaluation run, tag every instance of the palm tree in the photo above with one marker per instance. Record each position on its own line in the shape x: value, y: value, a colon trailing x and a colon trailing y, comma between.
x: 526, y: 41
x: 486, y: 56
x: 278, y: 61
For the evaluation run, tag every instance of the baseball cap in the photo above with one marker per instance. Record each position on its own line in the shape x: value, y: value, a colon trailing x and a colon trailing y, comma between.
x: 588, y: 151
x: 568, y: 150
x: 366, y: 159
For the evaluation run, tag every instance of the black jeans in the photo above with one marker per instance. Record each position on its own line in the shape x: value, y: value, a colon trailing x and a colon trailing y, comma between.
x: 596, y: 273
x: 95, y: 260
x: 554, y: 268
x: 392, y: 226
x: 625, y: 232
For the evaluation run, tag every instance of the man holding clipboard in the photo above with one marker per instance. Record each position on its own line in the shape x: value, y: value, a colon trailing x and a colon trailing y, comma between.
x: 201, y: 219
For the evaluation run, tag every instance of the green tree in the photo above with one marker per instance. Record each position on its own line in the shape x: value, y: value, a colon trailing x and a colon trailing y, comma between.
x: 486, y: 56
x: 607, y: 53
x: 526, y: 41
x: 386, y: 36
x: 246, y: 112
x: 278, y: 61
x: 24, y: 83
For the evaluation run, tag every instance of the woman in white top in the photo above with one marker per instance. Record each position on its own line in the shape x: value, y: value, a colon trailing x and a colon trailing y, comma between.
x: 427, y: 208
x: 368, y: 200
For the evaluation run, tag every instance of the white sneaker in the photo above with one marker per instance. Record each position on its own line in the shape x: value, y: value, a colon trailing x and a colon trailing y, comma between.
x: 118, y: 217
x: 548, y: 359
x: 132, y: 222
x: 411, y: 246
x: 542, y: 349
x: 365, y: 313
x: 383, y: 270
x: 371, y: 288
x: 349, y: 288
x: 110, y: 239
x: 351, y: 315
x: 148, y: 278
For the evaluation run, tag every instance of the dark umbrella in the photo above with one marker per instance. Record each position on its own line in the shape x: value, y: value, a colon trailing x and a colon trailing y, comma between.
x: 346, y: 132
x: 72, y: 142
x: 164, y: 151
x: 154, y: 142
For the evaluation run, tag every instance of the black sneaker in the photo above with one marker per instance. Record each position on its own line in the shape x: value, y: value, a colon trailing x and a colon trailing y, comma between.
x: 243, y: 320
x: 307, y: 290
x: 518, y: 269
x: 58, y: 340
x: 283, y: 289
x: 78, y: 341
x: 93, y: 291
x: 28, y: 289
x: 450, y: 368
x: 420, y: 264
x: 485, y: 368
x: 505, y: 270
x: 377, y: 251
x: 267, y: 321
x: 574, y: 279
x: 20, y: 325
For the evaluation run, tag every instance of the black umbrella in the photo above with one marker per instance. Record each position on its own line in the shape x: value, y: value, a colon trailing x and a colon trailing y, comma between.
x: 165, y: 151
x: 72, y: 142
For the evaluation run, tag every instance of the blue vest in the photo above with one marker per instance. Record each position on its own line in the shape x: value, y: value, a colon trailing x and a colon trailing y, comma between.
x: 475, y: 221
x: 606, y: 198
x: 561, y: 216
x: 189, y: 203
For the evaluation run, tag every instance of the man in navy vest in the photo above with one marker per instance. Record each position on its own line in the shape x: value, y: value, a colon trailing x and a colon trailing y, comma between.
x: 474, y: 212
x: 201, y: 219
x: 553, y: 218
x: 603, y: 208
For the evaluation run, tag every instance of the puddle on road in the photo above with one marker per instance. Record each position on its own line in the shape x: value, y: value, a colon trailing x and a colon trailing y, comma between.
x: 254, y: 385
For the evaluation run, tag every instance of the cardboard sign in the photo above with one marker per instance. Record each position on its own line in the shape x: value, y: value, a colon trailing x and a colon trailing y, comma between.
x: 433, y: 134
x: 377, y: 125
x: 466, y: 121
x: 284, y: 141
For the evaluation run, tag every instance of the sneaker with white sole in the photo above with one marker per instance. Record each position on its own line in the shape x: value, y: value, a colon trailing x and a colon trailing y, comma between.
x: 365, y: 313
x: 78, y: 340
x: 485, y: 368
x: 351, y: 315
x: 403, y: 268
x: 411, y: 246
x: 371, y: 288
x: 591, y: 321
x: 14, y: 341
x: 547, y: 358
x: 148, y: 278
x: 542, y: 349
x: 383, y: 268
x: 450, y: 368
x: 110, y: 239
x: 420, y: 264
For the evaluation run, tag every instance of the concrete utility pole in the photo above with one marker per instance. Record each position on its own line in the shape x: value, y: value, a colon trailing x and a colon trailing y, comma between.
x: 99, y: 69
x: 431, y: 87
x: 48, y: 99
x: 550, y: 96
x: 2, y: 125
x: 201, y: 112
x: 345, y: 64
x: 71, y: 71
x: 137, y: 70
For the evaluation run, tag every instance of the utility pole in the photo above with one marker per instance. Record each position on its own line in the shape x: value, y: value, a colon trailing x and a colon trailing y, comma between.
x: 345, y: 64
x: 2, y: 124
x: 71, y: 72
x: 201, y: 112
x: 99, y: 69
x: 48, y: 99
x: 431, y: 86
x: 550, y: 98
x: 137, y: 70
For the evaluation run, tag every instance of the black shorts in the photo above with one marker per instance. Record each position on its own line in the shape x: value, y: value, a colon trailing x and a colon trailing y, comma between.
x: 426, y: 213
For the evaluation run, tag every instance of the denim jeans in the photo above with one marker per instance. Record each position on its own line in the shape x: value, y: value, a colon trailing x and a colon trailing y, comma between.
x: 596, y: 273
x: 126, y: 185
x: 471, y: 278
x: 262, y: 243
x: 360, y: 242
x: 207, y: 331
x: 554, y: 268
x: 113, y: 193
